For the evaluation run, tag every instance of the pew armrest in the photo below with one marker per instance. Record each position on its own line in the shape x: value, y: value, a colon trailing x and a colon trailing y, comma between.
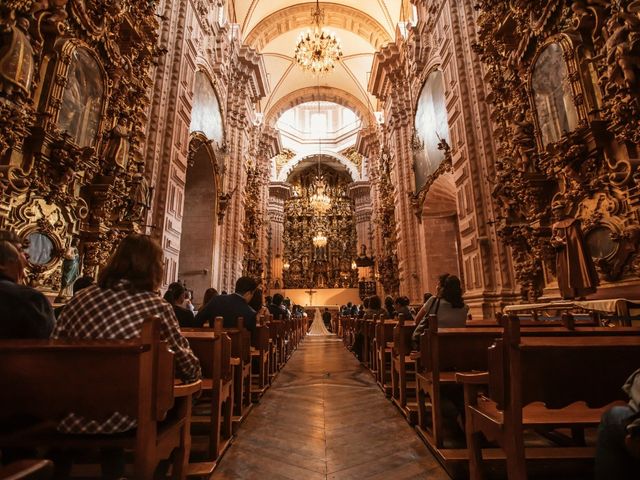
x: 186, y: 389
x: 481, y: 378
x: 31, y: 469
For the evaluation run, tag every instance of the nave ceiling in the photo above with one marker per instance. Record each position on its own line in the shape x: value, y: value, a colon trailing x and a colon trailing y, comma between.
x: 272, y: 27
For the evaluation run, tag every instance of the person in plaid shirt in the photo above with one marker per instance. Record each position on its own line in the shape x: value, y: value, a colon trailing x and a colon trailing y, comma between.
x: 125, y: 295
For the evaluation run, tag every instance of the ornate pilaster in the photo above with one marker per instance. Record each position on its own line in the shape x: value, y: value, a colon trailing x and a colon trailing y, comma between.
x: 279, y: 193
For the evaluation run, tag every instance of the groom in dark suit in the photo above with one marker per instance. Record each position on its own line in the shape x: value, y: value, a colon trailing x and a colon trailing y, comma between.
x: 230, y: 307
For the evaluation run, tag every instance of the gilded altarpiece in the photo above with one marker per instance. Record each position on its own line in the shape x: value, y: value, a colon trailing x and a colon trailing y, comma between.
x: 73, y: 97
x: 565, y: 82
x: 328, y: 266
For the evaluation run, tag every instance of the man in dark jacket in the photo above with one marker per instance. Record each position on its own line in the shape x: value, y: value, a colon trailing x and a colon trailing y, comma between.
x: 326, y: 318
x: 230, y: 307
x: 24, y: 312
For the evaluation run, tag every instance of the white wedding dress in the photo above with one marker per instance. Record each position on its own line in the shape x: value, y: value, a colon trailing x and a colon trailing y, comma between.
x: 317, y: 327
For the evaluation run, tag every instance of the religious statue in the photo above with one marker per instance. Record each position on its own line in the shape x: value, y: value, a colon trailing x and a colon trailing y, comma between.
x: 140, y: 194
x: 16, y: 61
x: 575, y: 271
x: 70, y: 270
x: 116, y: 154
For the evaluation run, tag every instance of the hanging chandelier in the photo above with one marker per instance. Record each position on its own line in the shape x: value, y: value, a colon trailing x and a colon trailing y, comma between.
x: 318, y: 50
x: 320, y: 240
x: 319, y: 201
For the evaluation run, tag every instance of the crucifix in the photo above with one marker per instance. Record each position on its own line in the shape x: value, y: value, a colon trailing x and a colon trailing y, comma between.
x: 310, y: 292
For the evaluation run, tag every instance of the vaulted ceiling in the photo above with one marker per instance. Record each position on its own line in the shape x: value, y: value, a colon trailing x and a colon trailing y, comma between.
x: 273, y: 26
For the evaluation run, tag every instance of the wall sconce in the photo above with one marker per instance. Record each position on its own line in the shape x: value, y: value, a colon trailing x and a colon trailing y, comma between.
x: 354, y: 266
x: 285, y: 266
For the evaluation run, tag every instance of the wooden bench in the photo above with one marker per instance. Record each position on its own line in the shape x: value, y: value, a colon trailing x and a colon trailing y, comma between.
x: 403, y: 371
x: 241, y: 363
x: 47, y: 379
x: 546, y: 382
x: 214, y: 408
x: 260, y: 359
x: 370, y: 342
x: 276, y: 347
x: 443, y: 352
x: 384, y: 343
x: 27, y: 470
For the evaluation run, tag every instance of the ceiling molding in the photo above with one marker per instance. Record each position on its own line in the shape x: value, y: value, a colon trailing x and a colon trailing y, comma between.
x: 336, y: 16
x: 313, y: 94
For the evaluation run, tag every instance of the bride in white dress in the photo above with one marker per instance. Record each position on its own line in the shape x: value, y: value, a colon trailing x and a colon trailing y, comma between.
x: 317, y: 327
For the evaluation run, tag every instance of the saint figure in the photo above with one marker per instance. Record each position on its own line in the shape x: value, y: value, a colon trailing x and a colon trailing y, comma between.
x: 576, y: 273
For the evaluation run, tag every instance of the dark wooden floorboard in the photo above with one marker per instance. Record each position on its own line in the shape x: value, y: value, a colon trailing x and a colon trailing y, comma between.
x: 325, y: 418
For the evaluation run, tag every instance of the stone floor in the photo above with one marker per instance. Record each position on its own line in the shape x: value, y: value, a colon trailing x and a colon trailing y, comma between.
x: 325, y: 418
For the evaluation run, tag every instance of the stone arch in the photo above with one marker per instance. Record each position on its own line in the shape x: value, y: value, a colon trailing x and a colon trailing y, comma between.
x: 326, y: 94
x: 199, y: 217
x: 337, y: 16
x: 290, y: 166
x: 440, y: 232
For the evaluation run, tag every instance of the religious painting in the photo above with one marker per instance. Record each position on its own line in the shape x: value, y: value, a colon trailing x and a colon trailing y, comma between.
x: 205, y: 114
x: 431, y: 127
x: 552, y: 95
x: 82, y: 99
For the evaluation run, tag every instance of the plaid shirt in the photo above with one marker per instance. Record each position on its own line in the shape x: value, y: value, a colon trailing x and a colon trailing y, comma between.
x: 117, y: 313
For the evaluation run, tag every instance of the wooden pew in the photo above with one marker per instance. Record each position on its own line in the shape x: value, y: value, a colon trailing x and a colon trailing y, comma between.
x: 95, y: 378
x: 276, y: 347
x: 370, y: 326
x: 384, y: 345
x: 260, y: 357
x: 447, y: 351
x: 443, y: 352
x: 241, y: 362
x: 214, y: 352
x: 403, y: 371
x: 27, y: 470
x: 543, y: 382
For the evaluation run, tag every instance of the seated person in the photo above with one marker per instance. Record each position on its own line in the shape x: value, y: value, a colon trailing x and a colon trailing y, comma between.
x: 388, y: 306
x: 230, y: 307
x: 176, y: 295
x: 374, y: 307
x: 24, y: 312
x: 115, y: 308
x: 209, y: 293
x: 402, y: 306
x: 277, y: 309
x: 618, y: 448
x: 447, y: 305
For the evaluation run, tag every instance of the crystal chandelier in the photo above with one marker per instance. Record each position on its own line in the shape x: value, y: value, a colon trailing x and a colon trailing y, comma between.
x: 317, y: 50
x: 319, y: 201
x: 320, y: 240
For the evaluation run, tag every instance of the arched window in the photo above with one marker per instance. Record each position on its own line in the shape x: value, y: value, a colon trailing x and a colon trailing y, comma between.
x: 205, y: 115
x: 432, y: 126
x: 552, y: 95
x: 82, y: 99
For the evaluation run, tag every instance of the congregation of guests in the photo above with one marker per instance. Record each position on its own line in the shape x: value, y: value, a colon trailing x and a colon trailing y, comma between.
x: 126, y: 293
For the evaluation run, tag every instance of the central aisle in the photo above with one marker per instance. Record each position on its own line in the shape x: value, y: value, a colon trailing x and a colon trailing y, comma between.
x: 325, y: 418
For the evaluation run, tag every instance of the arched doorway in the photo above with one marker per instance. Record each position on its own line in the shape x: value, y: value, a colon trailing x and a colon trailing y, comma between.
x: 440, y: 233
x: 199, y: 221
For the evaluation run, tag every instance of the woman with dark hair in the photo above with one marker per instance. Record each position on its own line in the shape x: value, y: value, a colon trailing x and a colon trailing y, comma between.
x: 209, y: 294
x: 447, y: 305
x: 176, y: 295
x: 402, y: 306
x: 375, y: 307
x: 125, y: 296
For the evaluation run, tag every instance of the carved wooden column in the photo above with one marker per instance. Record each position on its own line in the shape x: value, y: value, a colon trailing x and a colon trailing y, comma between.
x: 279, y: 193
x: 360, y: 192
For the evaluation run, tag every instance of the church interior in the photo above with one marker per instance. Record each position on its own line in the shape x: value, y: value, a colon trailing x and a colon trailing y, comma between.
x: 414, y: 225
